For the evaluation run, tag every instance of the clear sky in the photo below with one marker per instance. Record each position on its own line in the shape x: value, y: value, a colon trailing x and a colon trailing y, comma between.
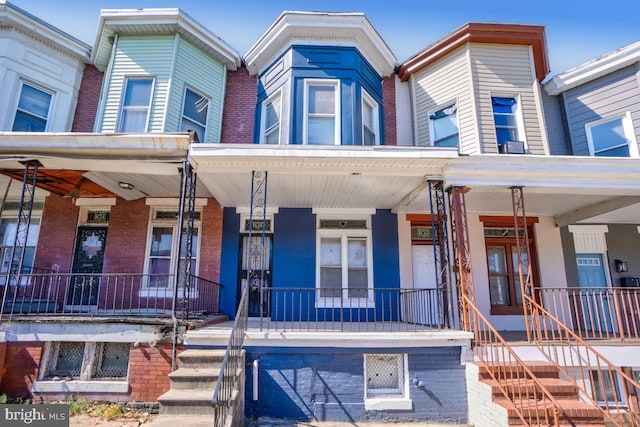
x: 576, y: 31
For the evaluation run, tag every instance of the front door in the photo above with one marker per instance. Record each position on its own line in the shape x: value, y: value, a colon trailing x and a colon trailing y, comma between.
x: 88, y: 259
x: 424, y: 305
x: 595, y: 299
x: 256, y: 273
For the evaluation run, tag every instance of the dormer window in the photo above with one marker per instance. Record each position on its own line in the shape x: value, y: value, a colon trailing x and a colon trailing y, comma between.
x: 271, y: 111
x: 370, y: 122
x: 136, y: 100
x: 195, y: 113
x: 444, y: 126
x: 322, y: 112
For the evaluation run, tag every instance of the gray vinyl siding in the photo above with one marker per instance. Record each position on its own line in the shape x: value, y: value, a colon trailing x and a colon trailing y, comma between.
x: 559, y: 143
x: 204, y: 74
x: 506, y: 70
x: 607, y: 96
x: 139, y: 56
x: 446, y: 81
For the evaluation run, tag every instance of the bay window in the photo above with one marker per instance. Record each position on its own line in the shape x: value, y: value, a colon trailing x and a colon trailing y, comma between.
x: 444, y: 126
x: 322, y: 112
x: 33, y: 108
x: 612, y: 137
x: 195, y: 113
x: 136, y: 100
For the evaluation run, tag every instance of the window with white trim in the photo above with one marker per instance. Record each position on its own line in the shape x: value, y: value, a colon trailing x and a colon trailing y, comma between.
x: 606, y: 386
x: 136, y: 100
x: 32, y: 113
x: 322, y: 112
x: 344, y: 275
x: 163, y: 247
x: 370, y: 120
x: 384, y: 375
x: 505, y: 117
x: 444, y: 126
x: 195, y: 113
x: 8, y: 229
x: 86, y: 361
x: 612, y: 137
x: 271, y: 116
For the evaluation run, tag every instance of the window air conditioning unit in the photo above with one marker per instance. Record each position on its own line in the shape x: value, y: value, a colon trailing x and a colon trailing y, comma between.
x: 512, y: 147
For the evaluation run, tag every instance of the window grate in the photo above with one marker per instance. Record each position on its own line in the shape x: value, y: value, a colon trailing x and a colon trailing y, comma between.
x: 111, y: 361
x: 98, y: 217
x: 173, y: 215
x: 385, y: 374
x: 68, y: 362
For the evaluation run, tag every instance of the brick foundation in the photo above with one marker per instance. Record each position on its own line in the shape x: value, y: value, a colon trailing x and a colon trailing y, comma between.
x: 148, y: 372
x: 20, y: 370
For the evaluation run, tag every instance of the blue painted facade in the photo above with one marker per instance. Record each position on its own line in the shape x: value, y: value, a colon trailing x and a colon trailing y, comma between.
x: 345, y: 64
x: 328, y: 384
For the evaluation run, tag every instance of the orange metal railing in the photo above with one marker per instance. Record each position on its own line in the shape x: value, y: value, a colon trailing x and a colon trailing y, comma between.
x: 531, y: 401
x: 599, y: 381
x: 596, y: 313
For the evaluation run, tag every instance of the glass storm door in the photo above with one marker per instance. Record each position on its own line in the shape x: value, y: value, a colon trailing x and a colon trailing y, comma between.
x: 256, y: 273
x: 87, y: 265
x: 594, y: 303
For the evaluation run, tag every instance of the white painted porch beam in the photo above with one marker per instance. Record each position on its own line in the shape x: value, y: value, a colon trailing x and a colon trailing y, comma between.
x: 595, y: 209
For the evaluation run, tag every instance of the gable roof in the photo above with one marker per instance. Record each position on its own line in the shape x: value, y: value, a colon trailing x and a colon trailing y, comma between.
x: 157, y: 21
x: 513, y: 34
x: 321, y: 28
x: 591, y: 70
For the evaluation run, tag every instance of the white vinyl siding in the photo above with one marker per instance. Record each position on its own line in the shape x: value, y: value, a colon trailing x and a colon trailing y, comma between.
x: 609, y: 96
x: 144, y: 56
x: 203, y: 74
x: 506, y: 70
x: 438, y: 84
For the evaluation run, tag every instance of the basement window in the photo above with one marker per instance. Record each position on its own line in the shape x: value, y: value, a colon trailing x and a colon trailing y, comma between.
x: 386, y: 385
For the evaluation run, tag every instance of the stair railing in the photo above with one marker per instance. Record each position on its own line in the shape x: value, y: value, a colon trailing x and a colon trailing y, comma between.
x: 230, y: 371
x: 592, y: 373
x: 532, y: 402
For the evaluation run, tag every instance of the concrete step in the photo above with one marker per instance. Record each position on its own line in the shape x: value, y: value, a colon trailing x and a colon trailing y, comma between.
x: 194, y: 378
x: 188, y: 402
x: 200, y: 358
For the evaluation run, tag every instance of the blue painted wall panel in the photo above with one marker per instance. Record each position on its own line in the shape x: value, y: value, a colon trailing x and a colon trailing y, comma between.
x: 328, y: 384
x: 229, y: 261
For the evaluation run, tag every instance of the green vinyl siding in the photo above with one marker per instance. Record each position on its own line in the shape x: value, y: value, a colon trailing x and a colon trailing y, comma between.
x: 204, y: 74
x: 139, y: 56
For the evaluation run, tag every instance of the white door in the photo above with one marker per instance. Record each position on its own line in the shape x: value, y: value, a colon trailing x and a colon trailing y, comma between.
x: 422, y: 304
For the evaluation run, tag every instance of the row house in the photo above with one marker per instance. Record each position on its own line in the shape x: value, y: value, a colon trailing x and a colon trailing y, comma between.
x: 354, y: 238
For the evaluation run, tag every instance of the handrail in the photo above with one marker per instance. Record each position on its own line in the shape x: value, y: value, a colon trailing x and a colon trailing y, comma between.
x: 532, y: 401
x: 563, y: 347
x: 222, y: 398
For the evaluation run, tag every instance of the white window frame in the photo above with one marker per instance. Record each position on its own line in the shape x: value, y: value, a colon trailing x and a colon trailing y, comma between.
x: 189, y: 119
x: 135, y: 107
x: 388, y: 399
x: 167, y: 291
x: 276, y: 128
x: 520, y: 130
x: 35, y: 215
x: 17, y: 109
x: 375, y: 109
x: 344, y: 234
x: 86, y: 381
x: 443, y: 106
x: 337, y: 122
x: 627, y: 126
x: 617, y: 384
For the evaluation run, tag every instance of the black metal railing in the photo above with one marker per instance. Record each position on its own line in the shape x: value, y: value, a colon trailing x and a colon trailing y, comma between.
x: 357, y: 310
x: 111, y: 294
x: 231, y: 369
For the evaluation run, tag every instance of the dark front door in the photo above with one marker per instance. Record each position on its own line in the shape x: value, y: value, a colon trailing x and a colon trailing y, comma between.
x: 87, y: 266
x: 256, y: 272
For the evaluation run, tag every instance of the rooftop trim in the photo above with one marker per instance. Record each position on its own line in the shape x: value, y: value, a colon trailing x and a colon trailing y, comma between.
x: 591, y: 70
x: 513, y: 34
x: 321, y: 29
x: 13, y: 16
x: 157, y: 21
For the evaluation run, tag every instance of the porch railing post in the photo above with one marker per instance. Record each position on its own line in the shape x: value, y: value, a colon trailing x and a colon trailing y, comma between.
x: 441, y: 255
x: 522, y: 244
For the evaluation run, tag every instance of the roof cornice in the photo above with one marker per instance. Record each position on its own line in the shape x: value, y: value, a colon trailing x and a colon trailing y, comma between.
x: 14, y: 17
x: 513, y: 34
x: 598, y: 67
x: 157, y: 21
x: 322, y: 29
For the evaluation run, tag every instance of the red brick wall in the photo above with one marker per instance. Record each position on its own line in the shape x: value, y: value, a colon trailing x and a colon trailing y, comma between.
x: 57, y: 233
x: 88, y: 98
x: 239, y: 107
x: 148, y: 372
x: 211, y: 244
x: 389, y: 105
x: 127, y: 237
x: 20, y: 368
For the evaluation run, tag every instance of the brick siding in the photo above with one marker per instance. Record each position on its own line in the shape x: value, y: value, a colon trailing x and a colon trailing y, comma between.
x: 389, y: 106
x: 88, y: 98
x: 239, y: 107
x: 20, y: 369
x: 57, y: 233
